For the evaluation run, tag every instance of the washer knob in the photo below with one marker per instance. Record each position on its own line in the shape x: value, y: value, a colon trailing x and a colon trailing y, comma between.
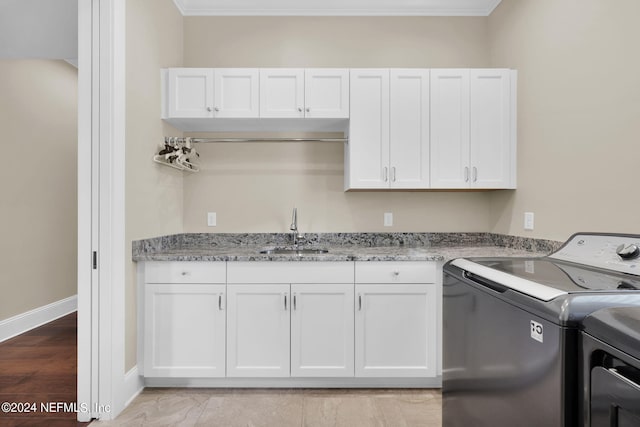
x: 629, y: 251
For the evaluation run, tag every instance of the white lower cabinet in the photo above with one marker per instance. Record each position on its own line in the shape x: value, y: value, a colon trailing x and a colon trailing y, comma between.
x: 395, y: 330
x: 396, y: 319
x: 258, y: 330
x: 185, y: 330
x: 328, y: 320
x: 281, y: 330
x: 322, y: 330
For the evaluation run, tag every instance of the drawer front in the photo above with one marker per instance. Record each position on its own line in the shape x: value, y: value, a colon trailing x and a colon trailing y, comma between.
x: 290, y: 272
x: 395, y: 271
x: 185, y: 272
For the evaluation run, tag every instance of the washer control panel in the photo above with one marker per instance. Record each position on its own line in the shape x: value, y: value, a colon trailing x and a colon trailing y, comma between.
x: 613, y: 252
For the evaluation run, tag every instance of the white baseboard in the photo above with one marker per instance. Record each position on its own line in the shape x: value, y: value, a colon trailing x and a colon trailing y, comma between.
x: 24, y: 322
x: 288, y: 382
x: 133, y: 385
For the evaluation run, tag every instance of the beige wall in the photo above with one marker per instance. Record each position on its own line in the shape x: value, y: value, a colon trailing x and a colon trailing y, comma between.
x: 579, y: 102
x: 38, y: 243
x: 153, y: 192
x: 335, y: 42
x: 578, y: 115
x: 253, y: 187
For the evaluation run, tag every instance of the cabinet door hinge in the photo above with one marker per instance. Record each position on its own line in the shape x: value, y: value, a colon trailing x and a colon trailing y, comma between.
x: 95, y: 260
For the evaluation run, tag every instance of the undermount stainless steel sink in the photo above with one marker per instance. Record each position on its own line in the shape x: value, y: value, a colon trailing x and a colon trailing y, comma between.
x: 293, y: 251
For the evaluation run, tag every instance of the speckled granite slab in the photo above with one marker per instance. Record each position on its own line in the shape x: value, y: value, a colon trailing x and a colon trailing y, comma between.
x: 341, y: 246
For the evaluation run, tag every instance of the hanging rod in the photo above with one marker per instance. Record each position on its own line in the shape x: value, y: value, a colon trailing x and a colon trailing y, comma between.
x: 181, y: 140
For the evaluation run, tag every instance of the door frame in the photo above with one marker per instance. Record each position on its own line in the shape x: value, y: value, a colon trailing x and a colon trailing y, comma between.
x: 101, y: 209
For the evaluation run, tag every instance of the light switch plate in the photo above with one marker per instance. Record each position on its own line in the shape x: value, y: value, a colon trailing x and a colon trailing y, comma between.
x: 212, y: 219
x: 388, y: 219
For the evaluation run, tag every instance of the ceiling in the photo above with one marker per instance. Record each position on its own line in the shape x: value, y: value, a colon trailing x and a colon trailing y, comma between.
x: 336, y: 7
x: 42, y: 29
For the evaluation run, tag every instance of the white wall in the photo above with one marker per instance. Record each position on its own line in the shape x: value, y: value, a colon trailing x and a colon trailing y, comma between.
x: 38, y: 247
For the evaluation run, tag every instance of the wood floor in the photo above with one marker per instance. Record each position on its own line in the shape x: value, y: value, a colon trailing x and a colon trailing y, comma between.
x: 40, y: 366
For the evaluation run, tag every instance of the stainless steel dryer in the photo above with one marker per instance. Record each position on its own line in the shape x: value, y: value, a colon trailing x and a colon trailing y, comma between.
x: 511, y: 329
x: 611, y: 360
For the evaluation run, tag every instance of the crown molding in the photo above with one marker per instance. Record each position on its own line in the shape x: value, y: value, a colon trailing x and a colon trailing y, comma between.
x: 212, y: 10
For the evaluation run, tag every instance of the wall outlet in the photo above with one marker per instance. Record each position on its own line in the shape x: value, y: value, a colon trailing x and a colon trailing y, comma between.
x: 528, y: 220
x: 212, y: 219
x: 388, y: 219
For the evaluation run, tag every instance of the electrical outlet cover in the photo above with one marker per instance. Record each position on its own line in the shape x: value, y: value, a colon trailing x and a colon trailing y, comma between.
x: 388, y: 219
x: 212, y: 219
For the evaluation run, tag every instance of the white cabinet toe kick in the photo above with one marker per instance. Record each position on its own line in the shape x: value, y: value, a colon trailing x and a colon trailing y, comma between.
x: 290, y: 324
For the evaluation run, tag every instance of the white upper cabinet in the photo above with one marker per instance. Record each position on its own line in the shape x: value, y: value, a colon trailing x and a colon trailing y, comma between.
x: 473, y: 128
x: 409, y: 129
x: 492, y: 122
x: 326, y: 93
x: 311, y: 93
x: 450, y: 128
x: 236, y: 92
x: 195, y: 93
x: 367, y: 154
x: 189, y: 92
x: 282, y: 92
x: 389, y: 129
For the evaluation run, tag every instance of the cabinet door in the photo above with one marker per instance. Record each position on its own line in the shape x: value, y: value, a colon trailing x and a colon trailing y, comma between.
x: 236, y: 92
x: 490, y: 123
x: 395, y: 330
x: 367, y: 154
x: 409, y: 129
x: 190, y: 92
x: 450, y: 128
x: 326, y: 93
x: 258, y: 330
x: 322, y: 330
x: 282, y: 92
x: 184, y: 330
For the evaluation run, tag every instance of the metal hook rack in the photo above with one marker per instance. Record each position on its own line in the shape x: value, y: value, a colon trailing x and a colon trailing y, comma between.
x: 179, y: 153
x: 213, y: 140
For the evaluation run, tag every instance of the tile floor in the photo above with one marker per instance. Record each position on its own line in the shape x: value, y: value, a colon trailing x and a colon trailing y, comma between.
x: 282, y: 408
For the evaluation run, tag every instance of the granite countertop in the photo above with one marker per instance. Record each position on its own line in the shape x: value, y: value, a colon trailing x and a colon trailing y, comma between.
x: 342, y: 247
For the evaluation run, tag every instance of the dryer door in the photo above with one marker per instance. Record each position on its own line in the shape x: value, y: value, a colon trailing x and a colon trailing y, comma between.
x: 615, y: 397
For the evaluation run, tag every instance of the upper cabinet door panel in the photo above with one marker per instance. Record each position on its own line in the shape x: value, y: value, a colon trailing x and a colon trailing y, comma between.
x: 368, y: 148
x: 236, y: 92
x: 190, y: 92
x: 326, y: 93
x: 490, y: 122
x: 282, y: 92
x: 450, y: 128
x: 409, y: 128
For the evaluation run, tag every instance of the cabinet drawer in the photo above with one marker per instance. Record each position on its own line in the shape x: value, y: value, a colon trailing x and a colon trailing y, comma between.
x: 395, y: 272
x: 290, y: 272
x: 185, y: 272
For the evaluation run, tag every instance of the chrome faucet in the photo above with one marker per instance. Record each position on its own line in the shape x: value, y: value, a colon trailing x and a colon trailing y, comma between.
x: 297, y: 236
